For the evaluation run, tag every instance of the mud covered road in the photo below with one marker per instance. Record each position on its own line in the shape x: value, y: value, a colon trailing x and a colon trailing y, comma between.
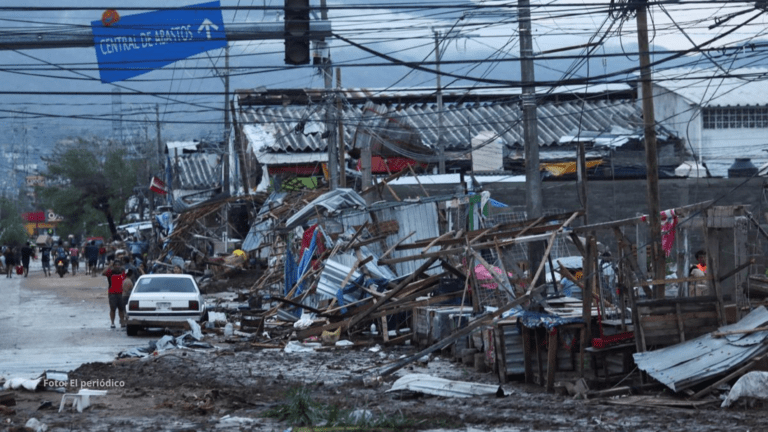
x: 242, y: 387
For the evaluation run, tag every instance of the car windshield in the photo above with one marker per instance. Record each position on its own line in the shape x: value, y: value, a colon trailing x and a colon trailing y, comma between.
x: 168, y: 285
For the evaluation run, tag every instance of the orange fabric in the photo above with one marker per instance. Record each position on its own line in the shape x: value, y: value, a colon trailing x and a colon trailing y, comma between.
x: 703, y: 268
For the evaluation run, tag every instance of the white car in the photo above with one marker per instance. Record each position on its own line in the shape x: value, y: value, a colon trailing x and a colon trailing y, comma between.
x: 163, y: 300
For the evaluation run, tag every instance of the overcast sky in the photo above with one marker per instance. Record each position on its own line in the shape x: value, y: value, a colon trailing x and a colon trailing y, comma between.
x: 407, y: 34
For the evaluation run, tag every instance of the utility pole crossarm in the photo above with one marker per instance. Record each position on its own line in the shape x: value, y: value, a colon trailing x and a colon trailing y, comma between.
x: 75, y: 38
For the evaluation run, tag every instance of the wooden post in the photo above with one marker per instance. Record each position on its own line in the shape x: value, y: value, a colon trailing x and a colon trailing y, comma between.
x: 340, y: 134
x: 551, y: 360
x: 586, y: 295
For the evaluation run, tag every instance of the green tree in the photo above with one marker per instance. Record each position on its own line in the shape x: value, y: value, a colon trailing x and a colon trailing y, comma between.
x: 88, y: 185
x: 12, y: 230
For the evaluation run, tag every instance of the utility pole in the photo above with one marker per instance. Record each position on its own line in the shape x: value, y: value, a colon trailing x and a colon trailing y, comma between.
x: 159, y: 141
x: 340, y: 134
x: 533, y: 200
x: 325, y: 67
x: 440, y: 144
x: 651, y: 156
x: 226, y: 93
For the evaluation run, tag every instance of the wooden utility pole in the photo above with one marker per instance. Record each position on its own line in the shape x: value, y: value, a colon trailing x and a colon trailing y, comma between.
x: 533, y: 200
x: 651, y: 156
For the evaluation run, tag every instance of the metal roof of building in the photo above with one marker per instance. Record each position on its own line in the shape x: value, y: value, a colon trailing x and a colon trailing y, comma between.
x: 297, y: 128
x: 199, y: 170
x: 742, y: 86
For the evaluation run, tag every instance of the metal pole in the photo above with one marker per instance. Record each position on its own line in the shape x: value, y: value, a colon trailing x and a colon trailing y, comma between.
x: 651, y: 156
x: 340, y: 133
x: 159, y: 141
x: 333, y: 157
x: 440, y: 144
x: 226, y: 93
x: 73, y: 38
x: 533, y: 200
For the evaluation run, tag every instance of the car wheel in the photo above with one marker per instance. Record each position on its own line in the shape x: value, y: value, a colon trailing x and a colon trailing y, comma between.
x: 132, y: 330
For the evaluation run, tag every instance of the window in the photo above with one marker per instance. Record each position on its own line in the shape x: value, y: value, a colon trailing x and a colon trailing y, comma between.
x: 735, y: 118
x: 165, y: 285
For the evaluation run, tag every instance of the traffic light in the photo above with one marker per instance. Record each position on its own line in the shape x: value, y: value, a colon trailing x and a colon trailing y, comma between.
x: 296, y: 32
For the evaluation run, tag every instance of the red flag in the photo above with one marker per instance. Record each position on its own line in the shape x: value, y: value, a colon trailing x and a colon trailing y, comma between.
x: 157, y: 186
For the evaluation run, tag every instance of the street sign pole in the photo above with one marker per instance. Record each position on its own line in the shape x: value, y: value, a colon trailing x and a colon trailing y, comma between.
x: 83, y: 38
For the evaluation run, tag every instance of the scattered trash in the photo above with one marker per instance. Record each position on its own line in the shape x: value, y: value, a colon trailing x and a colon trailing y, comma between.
x: 374, y: 349
x: 344, y: 343
x: 428, y: 384
x: 35, y: 425
x: 22, y: 383
x: 360, y: 416
x: 298, y: 347
x: 217, y: 318
x: 753, y: 385
x: 227, y: 422
x: 330, y: 338
x: 228, y: 330
x: 194, y: 327
x: 80, y: 400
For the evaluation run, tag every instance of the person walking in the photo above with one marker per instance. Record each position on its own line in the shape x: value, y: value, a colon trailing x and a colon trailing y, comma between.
x: 92, y: 256
x: 45, y: 260
x: 116, y: 276
x: 10, y: 262
x: 74, y: 256
x: 26, y: 253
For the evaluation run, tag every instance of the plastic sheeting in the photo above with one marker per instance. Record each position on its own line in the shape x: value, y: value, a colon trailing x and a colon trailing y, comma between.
x: 752, y: 385
x: 428, y: 384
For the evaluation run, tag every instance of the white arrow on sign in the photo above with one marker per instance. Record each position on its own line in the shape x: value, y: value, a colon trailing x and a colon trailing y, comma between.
x: 207, y: 24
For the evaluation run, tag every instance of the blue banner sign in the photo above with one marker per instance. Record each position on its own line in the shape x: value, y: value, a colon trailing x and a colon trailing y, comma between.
x: 137, y: 44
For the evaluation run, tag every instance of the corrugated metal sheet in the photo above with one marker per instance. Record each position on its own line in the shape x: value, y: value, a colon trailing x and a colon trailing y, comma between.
x: 743, y: 87
x: 689, y: 363
x: 332, y: 276
x: 273, y: 129
x: 514, y: 352
x: 199, y: 170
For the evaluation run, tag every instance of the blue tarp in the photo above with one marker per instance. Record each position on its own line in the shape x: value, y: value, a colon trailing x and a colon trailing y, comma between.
x: 354, y: 285
x: 536, y: 319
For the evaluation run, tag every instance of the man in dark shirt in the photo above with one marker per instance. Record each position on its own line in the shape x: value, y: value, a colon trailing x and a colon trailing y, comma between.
x: 45, y: 259
x: 92, y: 255
x: 26, y: 253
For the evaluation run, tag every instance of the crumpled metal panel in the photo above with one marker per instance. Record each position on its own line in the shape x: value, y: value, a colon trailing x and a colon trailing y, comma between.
x: 256, y: 235
x: 332, y: 202
x: 332, y: 276
x: 691, y: 362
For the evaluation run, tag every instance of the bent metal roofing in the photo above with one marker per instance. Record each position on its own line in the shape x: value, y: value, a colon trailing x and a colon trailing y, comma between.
x: 300, y: 128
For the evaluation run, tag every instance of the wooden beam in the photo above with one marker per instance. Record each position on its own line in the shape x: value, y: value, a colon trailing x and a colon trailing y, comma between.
x: 390, y: 250
x: 733, y: 332
x: 639, y: 219
x: 432, y: 243
x: 739, y: 372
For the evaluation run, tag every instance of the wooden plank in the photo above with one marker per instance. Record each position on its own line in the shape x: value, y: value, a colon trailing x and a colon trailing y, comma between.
x: 390, y: 250
x: 733, y: 332
x: 437, y: 239
x: 391, y: 293
x: 551, y: 360
x: 527, y: 356
x: 638, y: 219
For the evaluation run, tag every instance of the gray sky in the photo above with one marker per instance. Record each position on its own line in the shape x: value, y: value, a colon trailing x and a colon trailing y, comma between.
x: 407, y: 34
